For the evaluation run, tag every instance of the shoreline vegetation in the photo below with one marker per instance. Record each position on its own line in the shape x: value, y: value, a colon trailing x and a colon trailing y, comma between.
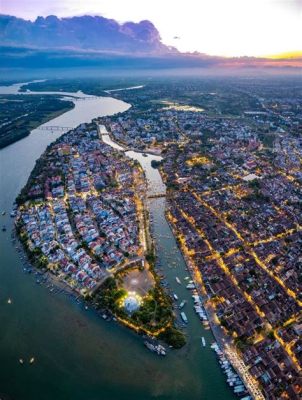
x: 20, y: 114
x: 155, y: 317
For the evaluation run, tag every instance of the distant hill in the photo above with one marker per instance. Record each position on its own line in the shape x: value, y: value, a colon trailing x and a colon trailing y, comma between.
x: 82, y: 33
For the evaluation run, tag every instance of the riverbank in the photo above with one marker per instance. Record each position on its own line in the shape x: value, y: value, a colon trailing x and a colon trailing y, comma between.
x: 123, y: 145
x: 224, y: 347
x: 52, y: 283
x: 21, y: 123
x: 64, y: 336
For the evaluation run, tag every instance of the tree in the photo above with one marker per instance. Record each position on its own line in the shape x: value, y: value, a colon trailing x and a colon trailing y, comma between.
x: 173, y: 337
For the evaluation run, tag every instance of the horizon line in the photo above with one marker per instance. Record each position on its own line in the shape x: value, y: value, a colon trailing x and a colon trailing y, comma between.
x: 294, y: 55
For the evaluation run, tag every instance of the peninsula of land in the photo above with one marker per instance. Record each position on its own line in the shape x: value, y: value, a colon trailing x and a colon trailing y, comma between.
x: 82, y: 216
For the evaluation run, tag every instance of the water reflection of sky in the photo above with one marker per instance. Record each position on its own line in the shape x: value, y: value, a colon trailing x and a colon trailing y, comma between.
x: 156, y: 185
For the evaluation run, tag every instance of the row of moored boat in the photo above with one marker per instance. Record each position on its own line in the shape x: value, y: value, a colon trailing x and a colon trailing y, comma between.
x: 233, y: 379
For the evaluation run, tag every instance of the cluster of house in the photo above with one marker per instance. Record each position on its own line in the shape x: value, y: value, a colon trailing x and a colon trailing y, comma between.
x: 82, y: 222
x: 159, y: 125
x: 237, y: 219
x: 164, y: 125
x: 142, y: 131
x: 235, y: 205
x: 287, y: 149
x: 50, y: 236
x: 269, y: 365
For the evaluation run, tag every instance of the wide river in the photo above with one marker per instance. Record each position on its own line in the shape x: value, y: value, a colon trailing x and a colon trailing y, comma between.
x: 78, y: 355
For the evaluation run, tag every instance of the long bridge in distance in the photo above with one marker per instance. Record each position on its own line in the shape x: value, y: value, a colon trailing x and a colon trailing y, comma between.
x: 54, y: 128
x: 156, y: 196
x: 86, y: 98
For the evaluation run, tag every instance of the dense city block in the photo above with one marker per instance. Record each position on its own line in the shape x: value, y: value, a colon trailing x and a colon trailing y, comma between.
x: 234, y: 203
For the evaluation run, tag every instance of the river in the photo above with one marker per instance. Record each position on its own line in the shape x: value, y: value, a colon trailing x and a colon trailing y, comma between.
x: 78, y: 355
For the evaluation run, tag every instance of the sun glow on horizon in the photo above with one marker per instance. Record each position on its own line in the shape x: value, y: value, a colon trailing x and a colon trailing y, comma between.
x: 287, y: 55
x: 215, y: 27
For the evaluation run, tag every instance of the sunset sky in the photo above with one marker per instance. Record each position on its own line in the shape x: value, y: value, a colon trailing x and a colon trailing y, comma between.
x: 215, y: 27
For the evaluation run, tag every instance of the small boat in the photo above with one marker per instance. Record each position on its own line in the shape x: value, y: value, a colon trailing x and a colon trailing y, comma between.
x: 178, y: 280
x: 3, y: 228
x: 32, y: 360
x: 206, y: 324
x: 21, y: 361
x: 9, y: 301
x: 182, y: 304
x: 175, y: 296
x: 3, y: 212
x: 203, y: 341
x: 184, y: 317
x: 156, y: 348
x: 190, y: 286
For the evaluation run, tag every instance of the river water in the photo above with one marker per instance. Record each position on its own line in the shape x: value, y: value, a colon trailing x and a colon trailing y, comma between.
x: 78, y: 355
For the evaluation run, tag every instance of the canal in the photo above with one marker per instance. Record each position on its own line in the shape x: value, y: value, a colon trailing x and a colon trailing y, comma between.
x: 78, y: 355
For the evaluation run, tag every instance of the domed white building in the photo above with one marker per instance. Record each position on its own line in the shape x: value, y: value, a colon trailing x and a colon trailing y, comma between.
x: 132, y: 302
